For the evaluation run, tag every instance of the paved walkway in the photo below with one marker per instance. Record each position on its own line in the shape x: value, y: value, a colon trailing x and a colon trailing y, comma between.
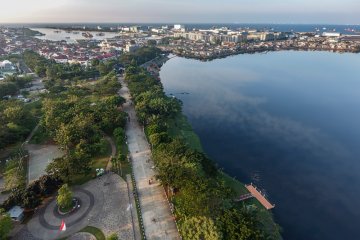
x: 104, y: 204
x: 40, y: 156
x: 157, y: 218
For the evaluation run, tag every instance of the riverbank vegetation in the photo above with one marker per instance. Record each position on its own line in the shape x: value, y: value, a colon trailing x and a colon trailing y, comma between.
x: 201, y: 196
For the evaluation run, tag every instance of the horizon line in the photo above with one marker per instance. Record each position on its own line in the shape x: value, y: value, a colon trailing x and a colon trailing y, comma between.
x: 260, y: 23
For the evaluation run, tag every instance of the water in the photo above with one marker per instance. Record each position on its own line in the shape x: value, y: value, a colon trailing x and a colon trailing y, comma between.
x: 70, y: 37
x: 288, y: 122
x: 344, y: 29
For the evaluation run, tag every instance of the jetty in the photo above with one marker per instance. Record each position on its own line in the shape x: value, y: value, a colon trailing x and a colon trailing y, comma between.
x: 255, y: 193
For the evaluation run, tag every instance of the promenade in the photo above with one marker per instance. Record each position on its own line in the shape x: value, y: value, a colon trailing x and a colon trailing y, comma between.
x: 157, y: 218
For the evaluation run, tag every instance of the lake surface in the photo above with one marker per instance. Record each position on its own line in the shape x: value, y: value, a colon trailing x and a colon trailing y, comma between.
x: 72, y: 36
x: 288, y: 122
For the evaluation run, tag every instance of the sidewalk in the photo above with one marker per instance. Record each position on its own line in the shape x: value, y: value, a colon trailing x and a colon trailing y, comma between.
x: 157, y: 218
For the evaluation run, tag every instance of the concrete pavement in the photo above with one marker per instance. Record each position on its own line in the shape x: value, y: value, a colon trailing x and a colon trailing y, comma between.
x: 104, y: 204
x: 157, y: 217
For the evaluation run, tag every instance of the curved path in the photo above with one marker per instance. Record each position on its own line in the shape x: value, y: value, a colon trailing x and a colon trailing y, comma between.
x: 113, y: 151
x: 157, y: 217
x: 87, y: 205
x: 104, y: 204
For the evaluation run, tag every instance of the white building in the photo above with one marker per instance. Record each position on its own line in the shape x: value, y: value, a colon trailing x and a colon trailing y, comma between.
x: 16, y: 213
x: 131, y: 48
x: 134, y: 29
x: 331, y: 34
x: 179, y: 27
x: 7, y: 68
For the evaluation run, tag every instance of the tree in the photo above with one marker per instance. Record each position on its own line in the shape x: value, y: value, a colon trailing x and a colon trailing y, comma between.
x: 30, y: 200
x: 200, y: 228
x: 158, y: 138
x: 64, y: 199
x: 119, y: 135
x: 241, y: 224
x: 5, y: 224
x: 113, y: 237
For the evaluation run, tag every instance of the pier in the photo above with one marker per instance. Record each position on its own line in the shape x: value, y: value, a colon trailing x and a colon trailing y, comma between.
x: 255, y: 193
x: 259, y: 196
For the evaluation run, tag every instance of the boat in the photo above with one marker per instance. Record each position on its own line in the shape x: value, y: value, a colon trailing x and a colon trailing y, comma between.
x: 87, y: 35
x: 100, y: 34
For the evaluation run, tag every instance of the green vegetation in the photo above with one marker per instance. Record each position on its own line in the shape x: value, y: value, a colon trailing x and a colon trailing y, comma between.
x: 41, y: 136
x: 76, y: 121
x: 180, y: 127
x: 74, y: 116
x: 57, y: 74
x: 202, y: 195
x: 17, y: 119
x: 113, y: 237
x: 64, y: 198
x: 5, y: 224
x: 99, y: 235
x: 31, y: 196
x: 15, y: 172
x: 140, y: 56
x: 12, y: 84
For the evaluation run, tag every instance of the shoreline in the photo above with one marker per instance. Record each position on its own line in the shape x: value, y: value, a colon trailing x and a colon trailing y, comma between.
x: 243, y: 52
x: 187, y: 133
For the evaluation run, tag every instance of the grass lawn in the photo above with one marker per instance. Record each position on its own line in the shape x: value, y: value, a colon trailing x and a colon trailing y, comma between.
x: 41, y: 136
x: 94, y: 231
x: 180, y: 127
x: 125, y: 165
x: 100, y: 161
x: 238, y: 187
x: 6, y: 152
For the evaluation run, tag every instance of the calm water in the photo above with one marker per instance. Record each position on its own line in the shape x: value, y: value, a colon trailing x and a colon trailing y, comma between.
x: 288, y: 122
x: 345, y: 29
x: 70, y: 37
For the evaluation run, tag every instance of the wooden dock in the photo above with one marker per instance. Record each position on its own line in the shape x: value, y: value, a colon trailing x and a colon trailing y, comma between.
x: 261, y: 198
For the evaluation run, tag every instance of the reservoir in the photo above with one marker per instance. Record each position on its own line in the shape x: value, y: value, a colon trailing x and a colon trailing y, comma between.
x: 289, y: 122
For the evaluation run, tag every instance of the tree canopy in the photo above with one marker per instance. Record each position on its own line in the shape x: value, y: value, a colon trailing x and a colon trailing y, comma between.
x: 5, y: 224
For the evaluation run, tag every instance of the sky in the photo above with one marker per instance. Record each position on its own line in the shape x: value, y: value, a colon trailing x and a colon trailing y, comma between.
x: 181, y: 11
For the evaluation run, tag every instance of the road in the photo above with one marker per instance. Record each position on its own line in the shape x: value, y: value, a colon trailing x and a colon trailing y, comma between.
x: 157, y: 217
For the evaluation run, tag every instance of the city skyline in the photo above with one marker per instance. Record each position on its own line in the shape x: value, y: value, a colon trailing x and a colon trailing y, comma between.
x: 201, y: 11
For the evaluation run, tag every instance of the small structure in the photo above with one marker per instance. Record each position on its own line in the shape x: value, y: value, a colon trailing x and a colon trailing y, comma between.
x: 7, y: 68
x: 260, y: 197
x: 16, y: 213
x: 100, y: 172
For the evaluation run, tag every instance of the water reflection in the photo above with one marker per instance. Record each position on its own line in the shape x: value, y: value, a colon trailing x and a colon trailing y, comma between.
x: 288, y: 121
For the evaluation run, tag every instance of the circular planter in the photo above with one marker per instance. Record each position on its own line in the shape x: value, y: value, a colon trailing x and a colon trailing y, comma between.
x: 75, y: 204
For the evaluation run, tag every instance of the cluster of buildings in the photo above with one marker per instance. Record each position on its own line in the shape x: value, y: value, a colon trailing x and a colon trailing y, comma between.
x: 215, y: 43
x: 197, y: 43
x: 225, y: 35
x: 13, y: 41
